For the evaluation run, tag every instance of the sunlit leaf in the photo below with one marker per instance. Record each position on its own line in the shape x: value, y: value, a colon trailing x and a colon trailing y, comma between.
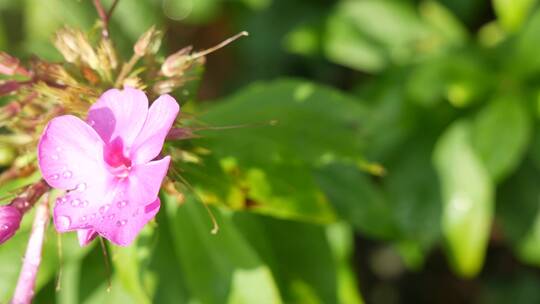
x: 467, y: 193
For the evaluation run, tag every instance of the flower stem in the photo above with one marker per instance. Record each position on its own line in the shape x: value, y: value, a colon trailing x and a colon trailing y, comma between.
x: 24, y: 292
x: 105, y: 16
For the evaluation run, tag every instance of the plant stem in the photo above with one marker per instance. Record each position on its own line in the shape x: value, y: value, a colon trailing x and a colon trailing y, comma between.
x: 24, y: 292
x: 105, y: 16
x: 126, y: 68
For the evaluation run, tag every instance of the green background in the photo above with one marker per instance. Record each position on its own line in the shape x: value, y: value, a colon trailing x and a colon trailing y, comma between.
x: 401, y: 164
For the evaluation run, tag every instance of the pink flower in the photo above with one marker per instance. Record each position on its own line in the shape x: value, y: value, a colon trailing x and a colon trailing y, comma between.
x: 107, y: 165
x: 10, y: 218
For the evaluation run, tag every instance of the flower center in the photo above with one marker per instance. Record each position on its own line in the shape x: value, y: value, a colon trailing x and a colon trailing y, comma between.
x: 118, y: 164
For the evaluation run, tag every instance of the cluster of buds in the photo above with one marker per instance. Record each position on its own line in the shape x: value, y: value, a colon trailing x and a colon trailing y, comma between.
x: 43, y: 90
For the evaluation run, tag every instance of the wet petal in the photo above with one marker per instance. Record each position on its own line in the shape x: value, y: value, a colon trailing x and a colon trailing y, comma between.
x: 70, y: 152
x: 150, y: 140
x: 83, y: 207
x: 126, y: 219
x: 119, y: 113
x: 85, y: 236
x: 123, y: 210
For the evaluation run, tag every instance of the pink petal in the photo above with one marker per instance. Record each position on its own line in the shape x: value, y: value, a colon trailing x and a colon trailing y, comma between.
x: 70, y: 153
x: 119, y: 113
x: 150, y: 140
x: 86, y: 236
x: 118, y: 209
x: 145, y: 179
x: 136, y: 203
x: 85, y: 206
x: 127, y: 222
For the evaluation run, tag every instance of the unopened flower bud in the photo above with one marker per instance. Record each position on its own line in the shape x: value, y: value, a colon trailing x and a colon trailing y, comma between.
x: 10, y: 219
x: 8, y: 64
x: 107, y: 54
x: 177, y: 63
x: 180, y: 134
x: 88, y: 55
x: 148, y: 43
x: 9, y: 86
x: 167, y: 86
x: 65, y: 40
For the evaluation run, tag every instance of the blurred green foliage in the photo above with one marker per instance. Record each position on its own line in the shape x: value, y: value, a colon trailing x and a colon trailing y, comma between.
x: 408, y: 123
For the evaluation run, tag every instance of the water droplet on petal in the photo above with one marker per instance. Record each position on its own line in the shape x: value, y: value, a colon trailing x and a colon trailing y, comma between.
x: 54, y: 157
x: 122, y: 204
x: 121, y: 223
x: 104, y: 208
x: 83, y: 219
x: 54, y: 176
x: 76, y: 202
x: 81, y: 187
x: 92, y: 216
x: 84, y: 203
x: 111, y: 216
x: 63, y: 222
x: 67, y: 174
x: 91, y: 122
x: 4, y: 227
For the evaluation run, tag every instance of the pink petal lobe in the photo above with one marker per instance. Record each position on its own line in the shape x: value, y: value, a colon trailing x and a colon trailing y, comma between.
x: 70, y: 152
x: 86, y: 236
x: 119, y: 113
x: 145, y: 179
x: 84, y: 207
x: 135, y: 204
x: 149, y: 141
x: 127, y: 224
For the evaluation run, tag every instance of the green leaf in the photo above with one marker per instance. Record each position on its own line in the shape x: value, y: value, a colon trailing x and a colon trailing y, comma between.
x: 217, y: 268
x: 501, y: 133
x: 358, y: 200
x: 513, y: 13
x: 268, y: 169
x: 467, y: 193
x: 298, y: 254
x: 355, y: 36
x: 341, y: 240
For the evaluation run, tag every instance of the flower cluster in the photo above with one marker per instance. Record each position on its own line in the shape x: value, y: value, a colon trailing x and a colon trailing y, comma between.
x: 99, y: 141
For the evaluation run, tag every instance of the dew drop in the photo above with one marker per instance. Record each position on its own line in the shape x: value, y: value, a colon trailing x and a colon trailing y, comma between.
x: 63, y: 222
x: 111, y: 216
x: 84, y: 203
x: 83, y: 219
x: 92, y: 216
x: 81, y: 187
x: 67, y: 174
x: 122, y: 204
x: 4, y: 227
x: 121, y: 223
x: 104, y: 208
x: 54, y: 177
x: 76, y: 202
x: 91, y: 122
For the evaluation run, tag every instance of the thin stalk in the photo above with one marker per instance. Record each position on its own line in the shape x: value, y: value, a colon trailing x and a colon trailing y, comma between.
x: 24, y: 292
